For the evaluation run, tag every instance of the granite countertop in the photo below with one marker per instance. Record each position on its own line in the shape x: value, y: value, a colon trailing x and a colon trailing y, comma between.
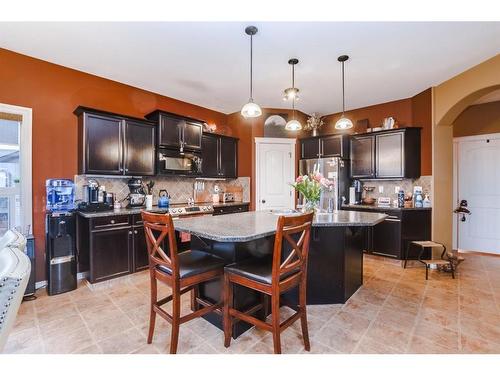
x: 384, y: 208
x: 155, y: 209
x: 253, y: 225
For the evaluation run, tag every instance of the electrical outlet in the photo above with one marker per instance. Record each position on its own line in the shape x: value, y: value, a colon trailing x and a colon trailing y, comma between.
x: 396, y: 189
x: 380, y: 188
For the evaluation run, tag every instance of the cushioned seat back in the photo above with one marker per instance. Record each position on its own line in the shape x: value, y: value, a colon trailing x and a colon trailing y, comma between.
x: 15, y: 269
x: 159, y: 230
x: 295, y: 232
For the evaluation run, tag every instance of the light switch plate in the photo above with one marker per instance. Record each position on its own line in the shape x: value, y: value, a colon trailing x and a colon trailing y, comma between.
x: 396, y: 189
x: 380, y: 188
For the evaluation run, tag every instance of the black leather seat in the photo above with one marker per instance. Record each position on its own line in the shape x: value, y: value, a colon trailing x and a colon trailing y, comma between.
x: 194, y: 262
x: 259, y: 270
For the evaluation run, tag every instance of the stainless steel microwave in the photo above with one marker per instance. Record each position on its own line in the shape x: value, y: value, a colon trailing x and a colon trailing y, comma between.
x: 177, y: 163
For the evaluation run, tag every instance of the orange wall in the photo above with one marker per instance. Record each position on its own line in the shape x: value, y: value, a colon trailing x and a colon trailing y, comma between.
x: 53, y: 92
x: 415, y: 111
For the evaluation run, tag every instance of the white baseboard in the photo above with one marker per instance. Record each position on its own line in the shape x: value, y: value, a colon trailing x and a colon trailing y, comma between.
x: 43, y: 283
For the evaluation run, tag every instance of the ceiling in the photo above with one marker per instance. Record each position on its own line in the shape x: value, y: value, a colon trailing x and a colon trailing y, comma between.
x: 208, y: 63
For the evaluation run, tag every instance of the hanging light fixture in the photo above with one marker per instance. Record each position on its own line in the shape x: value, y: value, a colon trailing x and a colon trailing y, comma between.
x: 251, y: 109
x: 343, y: 122
x: 293, y: 124
x: 292, y: 93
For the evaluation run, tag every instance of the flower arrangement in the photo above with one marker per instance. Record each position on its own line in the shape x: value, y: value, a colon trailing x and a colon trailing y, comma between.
x: 314, y: 123
x: 310, y: 187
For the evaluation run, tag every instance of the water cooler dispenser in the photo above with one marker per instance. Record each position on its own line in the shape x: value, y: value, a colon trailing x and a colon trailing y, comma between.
x: 60, y: 236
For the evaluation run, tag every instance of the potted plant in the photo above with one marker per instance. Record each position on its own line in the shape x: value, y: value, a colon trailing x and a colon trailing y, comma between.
x: 314, y: 123
x: 310, y: 187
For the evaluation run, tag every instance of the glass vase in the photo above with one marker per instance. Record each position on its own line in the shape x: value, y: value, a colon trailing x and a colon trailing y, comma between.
x: 310, y: 206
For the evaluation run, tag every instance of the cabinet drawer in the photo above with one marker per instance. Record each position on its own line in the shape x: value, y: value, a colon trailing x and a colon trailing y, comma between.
x: 230, y: 209
x: 110, y: 221
x: 137, y: 220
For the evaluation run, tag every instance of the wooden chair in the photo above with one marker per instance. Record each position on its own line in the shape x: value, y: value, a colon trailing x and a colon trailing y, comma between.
x: 182, y: 272
x: 272, y: 279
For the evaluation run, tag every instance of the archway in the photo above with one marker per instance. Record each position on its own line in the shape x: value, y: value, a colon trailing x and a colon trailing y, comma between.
x: 449, y: 100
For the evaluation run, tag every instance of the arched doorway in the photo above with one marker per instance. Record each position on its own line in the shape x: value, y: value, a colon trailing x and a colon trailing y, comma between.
x: 449, y: 100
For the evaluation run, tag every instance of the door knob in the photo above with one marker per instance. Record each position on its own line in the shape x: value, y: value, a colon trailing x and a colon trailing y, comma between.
x: 263, y: 201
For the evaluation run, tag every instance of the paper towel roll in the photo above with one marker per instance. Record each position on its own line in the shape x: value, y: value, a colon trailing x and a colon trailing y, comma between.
x: 352, y: 195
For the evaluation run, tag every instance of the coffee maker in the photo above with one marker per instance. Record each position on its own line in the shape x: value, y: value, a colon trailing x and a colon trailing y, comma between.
x: 137, y: 195
x: 358, y: 191
x: 95, y: 198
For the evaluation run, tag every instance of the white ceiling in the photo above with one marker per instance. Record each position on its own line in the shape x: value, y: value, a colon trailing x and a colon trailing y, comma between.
x: 208, y: 63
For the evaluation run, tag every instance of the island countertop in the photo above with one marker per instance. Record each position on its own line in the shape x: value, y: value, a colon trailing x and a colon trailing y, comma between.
x: 248, y: 226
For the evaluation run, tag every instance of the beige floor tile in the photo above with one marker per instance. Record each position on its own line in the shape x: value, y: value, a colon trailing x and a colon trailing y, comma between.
x: 48, y: 313
x: 111, y: 326
x: 372, y: 297
x: 371, y: 346
x: 336, y: 338
x: 438, y: 335
x: 354, y: 323
x: 123, y: 343
x: 477, y: 328
x: 146, y: 349
x: 396, y: 318
x: 420, y: 345
x: 401, y: 305
x: 188, y: 340
x: 291, y: 341
x: 388, y: 335
x: 362, y: 308
x: 238, y: 345
x: 61, y: 326
x: 92, y: 349
x: 68, y: 343
x: 475, y: 313
x: 27, y: 341
x: 474, y: 345
x: 447, y: 319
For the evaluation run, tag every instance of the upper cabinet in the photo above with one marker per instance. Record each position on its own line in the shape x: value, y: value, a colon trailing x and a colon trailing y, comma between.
x: 324, y: 146
x: 111, y: 144
x: 220, y: 156
x: 386, y: 154
x: 176, y: 131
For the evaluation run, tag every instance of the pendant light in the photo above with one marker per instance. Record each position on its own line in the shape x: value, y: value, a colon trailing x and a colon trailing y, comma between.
x: 251, y: 109
x: 293, y: 124
x: 343, y: 122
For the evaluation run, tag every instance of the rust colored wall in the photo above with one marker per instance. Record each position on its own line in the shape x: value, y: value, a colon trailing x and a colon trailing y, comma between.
x: 53, y: 92
x: 401, y: 110
x: 478, y: 119
x: 422, y: 116
x: 415, y: 111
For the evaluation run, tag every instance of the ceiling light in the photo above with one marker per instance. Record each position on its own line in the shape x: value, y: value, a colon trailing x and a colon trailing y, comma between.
x: 343, y: 123
x: 251, y: 109
x: 293, y: 124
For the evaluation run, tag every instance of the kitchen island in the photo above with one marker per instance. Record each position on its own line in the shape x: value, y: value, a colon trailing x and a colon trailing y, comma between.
x: 335, y: 266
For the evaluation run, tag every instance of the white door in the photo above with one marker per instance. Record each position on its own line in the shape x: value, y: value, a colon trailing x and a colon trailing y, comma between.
x: 479, y: 183
x: 275, y: 166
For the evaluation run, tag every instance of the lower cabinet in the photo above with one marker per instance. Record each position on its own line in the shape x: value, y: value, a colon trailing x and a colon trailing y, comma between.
x: 386, y: 237
x: 224, y: 210
x: 110, y: 253
x: 141, y: 257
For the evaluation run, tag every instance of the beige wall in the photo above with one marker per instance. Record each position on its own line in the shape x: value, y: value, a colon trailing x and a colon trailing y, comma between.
x: 478, y: 119
x: 450, y: 99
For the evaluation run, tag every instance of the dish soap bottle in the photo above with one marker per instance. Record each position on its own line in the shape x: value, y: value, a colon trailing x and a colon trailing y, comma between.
x: 427, y: 201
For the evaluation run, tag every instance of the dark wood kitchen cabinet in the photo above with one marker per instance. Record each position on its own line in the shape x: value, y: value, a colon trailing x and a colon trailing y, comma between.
x: 219, y: 156
x: 324, y: 147
x: 112, y: 144
x: 362, y: 157
x: 176, y: 131
x: 389, y: 154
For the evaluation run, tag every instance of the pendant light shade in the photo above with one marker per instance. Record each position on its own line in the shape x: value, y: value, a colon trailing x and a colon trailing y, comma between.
x: 251, y: 109
x: 293, y: 124
x: 343, y: 123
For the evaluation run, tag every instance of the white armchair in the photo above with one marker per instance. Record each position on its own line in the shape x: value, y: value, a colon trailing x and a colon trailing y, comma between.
x: 15, y: 269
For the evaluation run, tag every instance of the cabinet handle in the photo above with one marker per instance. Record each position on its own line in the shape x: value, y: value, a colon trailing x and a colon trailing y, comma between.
x: 129, y: 232
x: 112, y: 221
x: 126, y: 169
x: 120, y: 169
x: 135, y: 232
x: 394, y: 220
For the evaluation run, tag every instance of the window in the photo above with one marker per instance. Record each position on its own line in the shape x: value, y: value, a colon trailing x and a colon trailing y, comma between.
x: 15, y: 168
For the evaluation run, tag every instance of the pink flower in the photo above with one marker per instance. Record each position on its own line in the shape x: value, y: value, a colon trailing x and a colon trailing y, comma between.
x: 317, y: 177
x: 326, y: 182
x: 299, y: 179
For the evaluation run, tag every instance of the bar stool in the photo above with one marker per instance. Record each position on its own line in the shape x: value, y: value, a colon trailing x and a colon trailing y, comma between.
x: 442, y: 260
x: 272, y: 279
x: 182, y: 272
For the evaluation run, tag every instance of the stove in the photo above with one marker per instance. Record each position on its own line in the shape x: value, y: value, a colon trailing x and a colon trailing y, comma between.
x: 190, y: 210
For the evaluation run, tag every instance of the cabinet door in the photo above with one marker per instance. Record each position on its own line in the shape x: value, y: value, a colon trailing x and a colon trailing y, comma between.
x: 309, y: 148
x: 170, y: 131
x: 110, y: 253
x: 390, y: 155
x: 331, y: 146
x: 362, y: 157
x: 103, y: 148
x: 191, y: 134
x: 210, y: 156
x: 228, y: 151
x: 387, y: 238
x: 139, y: 158
x: 141, y: 258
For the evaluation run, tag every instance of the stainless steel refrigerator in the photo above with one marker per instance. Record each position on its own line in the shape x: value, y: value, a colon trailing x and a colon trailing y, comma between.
x: 336, y: 170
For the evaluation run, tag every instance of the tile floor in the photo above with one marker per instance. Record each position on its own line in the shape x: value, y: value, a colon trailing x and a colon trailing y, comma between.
x: 396, y: 311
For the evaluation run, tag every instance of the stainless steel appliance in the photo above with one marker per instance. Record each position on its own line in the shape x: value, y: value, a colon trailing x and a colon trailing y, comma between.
x: 178, y: 210
x: 179, y: 163
x: 358, y: 191
x: 336, y: 170
x: 227, y: 197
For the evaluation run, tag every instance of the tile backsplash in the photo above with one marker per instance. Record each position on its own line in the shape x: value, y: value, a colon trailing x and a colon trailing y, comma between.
x: 179, y: 188
x: 406, y: 184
